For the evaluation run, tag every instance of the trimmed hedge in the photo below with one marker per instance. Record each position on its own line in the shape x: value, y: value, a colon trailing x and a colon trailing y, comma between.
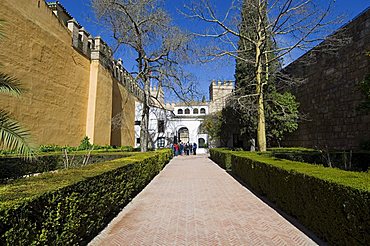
x: 16, y: 167
x: 333, y: 203
x: 221, y: 157
x: 71, y: 206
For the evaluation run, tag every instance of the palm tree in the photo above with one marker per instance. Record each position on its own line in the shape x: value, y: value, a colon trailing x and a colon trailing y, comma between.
x: 12, y: 136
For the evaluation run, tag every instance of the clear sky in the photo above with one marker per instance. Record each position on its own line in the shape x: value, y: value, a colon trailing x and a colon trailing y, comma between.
x: 221, y: 70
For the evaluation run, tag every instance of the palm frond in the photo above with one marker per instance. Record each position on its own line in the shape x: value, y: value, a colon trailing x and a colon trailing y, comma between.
x: 10, y: 85
x: 13, y: 137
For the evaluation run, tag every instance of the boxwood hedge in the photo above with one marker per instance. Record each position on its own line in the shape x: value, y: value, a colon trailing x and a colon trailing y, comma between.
x: 71, y: 206
x: 221, y: 157
x: 333, y: 203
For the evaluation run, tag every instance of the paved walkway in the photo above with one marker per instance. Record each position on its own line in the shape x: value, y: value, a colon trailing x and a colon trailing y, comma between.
x: 194, y: 202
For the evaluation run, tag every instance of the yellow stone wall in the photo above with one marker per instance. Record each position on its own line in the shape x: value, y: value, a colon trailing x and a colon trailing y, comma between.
x: 37, y: 50
x: 123, y: 112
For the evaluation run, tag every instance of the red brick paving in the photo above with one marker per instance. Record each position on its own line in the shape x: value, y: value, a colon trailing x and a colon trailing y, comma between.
x: 194, y: 202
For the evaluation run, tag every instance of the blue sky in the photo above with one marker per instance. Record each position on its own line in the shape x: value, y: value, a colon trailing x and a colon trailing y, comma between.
x: 219, y: 70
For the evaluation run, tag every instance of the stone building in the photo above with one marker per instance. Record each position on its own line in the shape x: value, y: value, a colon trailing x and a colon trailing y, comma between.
x: 330, y: 96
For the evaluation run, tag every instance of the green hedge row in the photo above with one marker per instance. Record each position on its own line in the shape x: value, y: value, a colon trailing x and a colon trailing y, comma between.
x: 71, y: 206
x: 221, y: 157
x: 16, y: 167
x: 333, y: 203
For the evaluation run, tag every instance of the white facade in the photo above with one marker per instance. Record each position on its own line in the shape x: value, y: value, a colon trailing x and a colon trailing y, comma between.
x: 182, y: 124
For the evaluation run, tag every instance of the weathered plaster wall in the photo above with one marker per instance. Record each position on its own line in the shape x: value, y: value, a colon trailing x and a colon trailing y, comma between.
x: 330, y: 96
x: 123, y: 115
x: 103, y: 107
x: 38, y: 51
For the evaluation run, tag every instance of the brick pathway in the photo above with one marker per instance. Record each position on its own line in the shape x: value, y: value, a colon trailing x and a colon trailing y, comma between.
x: 194, y: 202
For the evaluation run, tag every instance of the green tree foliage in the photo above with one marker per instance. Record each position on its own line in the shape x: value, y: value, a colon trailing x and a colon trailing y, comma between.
x: 281, y: 108
x: 212, y: 125
x: 282, y: 116
x: 245, y: 69
x: 12, y: 136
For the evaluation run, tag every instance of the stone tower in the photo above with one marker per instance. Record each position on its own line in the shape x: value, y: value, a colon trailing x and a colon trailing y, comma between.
x: 219, y: 91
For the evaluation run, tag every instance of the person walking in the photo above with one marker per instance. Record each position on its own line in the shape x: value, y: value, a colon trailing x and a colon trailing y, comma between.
x: 187, y: 148
x: 181, y: 148
x: 195, y: 148
x: 176, y: 147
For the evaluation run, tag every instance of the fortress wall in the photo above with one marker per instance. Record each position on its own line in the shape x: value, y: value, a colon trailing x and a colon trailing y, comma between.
x: 123, y: 114
x: 330, y: 96
x: 38, y: 51
x: 102, y: 98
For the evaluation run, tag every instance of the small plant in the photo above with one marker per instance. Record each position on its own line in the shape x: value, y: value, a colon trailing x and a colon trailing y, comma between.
x: 85, y: 144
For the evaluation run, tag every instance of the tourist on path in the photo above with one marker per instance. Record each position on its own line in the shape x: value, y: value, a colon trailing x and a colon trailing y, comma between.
x: 181, y: 148
x: 176, y: 147
x: 195, y: 148
x: 187, y: 148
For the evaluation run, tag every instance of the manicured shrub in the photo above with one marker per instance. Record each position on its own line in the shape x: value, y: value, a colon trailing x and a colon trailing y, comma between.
x: 333, y: 203
x: 70, y: 207
x: 222, y: 157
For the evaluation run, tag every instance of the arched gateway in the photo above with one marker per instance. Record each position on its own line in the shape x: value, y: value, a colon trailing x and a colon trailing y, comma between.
x: 183, y: 134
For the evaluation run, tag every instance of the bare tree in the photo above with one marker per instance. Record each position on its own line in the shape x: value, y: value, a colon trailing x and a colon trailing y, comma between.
x: 272, y: 30
x: 146, y: 28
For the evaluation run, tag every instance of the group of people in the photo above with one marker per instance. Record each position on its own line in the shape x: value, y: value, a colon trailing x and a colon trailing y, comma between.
x: 184, y: 149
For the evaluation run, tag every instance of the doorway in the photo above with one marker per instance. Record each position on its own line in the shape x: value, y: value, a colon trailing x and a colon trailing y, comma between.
x: 183, y: 135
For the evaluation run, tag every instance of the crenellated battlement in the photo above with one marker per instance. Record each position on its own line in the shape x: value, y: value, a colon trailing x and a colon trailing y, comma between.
x: 219, y: 91
x: 96, y: 49
x: 125, y: 78
x: 222, y: 84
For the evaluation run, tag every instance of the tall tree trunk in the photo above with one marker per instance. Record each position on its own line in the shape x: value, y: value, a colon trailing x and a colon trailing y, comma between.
x: 261, y: 125
x: 144, y: 131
